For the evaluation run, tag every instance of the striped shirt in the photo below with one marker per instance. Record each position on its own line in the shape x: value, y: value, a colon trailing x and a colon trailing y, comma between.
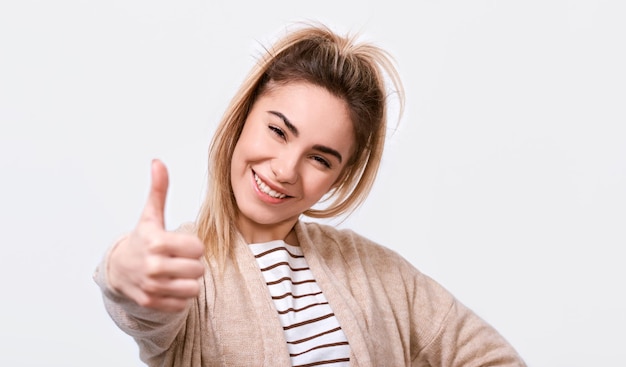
x: 314, y: 336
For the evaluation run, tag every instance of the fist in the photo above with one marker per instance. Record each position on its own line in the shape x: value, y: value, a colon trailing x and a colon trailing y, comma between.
x: 157, y: 269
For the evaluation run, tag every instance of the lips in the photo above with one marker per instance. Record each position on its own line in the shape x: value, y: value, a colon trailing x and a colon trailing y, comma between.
x: 264, y: 188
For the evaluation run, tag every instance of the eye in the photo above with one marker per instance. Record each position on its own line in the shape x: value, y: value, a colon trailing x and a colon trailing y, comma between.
x: 277, y: 131
x: 322, y: 161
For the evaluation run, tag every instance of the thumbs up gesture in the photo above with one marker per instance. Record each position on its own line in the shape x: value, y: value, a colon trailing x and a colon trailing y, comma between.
x: 156, y: 268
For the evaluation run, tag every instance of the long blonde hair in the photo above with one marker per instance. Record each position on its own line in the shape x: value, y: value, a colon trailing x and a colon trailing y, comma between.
x: 315, y: 54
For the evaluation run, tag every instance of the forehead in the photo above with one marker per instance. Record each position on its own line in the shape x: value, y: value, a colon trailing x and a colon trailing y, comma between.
x: 303, y: 99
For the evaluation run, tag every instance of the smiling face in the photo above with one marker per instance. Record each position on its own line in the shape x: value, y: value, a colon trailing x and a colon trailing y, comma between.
x: 293, y: 148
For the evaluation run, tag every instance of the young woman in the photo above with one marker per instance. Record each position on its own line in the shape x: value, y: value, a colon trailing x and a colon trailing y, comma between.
x: 251, y: 283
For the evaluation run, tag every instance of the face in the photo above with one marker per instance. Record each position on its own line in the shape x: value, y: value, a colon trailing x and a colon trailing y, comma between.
x: 294, y: 145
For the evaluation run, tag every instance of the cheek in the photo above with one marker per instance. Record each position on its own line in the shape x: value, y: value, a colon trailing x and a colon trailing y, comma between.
x: 322, y: 184
x: 239, y: 160
x: 250, y: 141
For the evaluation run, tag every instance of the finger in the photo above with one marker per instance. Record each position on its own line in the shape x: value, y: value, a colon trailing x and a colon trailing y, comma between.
x: 155, y: 206
x: 182, y: 288
x: 171, y: 287
x: 166, y: 268
x: 160, y: 303
x: 178, y: 244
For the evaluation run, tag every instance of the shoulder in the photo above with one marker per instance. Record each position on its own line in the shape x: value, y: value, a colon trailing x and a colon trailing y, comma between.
x: 329, y: 241
x: 359, y: 260
x: 324, y: 235
x: 345, y: 249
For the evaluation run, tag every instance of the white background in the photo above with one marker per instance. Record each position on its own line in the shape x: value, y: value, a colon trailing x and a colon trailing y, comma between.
x: 505, y: 180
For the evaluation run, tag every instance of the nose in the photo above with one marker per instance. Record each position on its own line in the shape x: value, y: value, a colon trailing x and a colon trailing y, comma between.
x: 285, y: 169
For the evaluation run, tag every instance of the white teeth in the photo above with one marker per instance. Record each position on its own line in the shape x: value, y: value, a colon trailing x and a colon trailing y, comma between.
x: 264, y: 188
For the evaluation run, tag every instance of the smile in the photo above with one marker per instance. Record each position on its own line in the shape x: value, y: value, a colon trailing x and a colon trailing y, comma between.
x: 267, y: 190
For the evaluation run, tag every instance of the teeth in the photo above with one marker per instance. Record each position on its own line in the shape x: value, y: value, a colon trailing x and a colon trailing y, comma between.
x: 264, y: 188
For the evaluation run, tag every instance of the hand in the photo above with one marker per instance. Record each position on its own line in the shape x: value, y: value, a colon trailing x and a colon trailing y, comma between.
x: 156, y: 268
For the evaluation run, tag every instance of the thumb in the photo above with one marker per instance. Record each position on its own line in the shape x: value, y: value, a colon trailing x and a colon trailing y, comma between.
x: 155, y: 206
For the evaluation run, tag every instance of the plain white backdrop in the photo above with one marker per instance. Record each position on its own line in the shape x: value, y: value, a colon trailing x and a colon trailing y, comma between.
x: 505, y: 180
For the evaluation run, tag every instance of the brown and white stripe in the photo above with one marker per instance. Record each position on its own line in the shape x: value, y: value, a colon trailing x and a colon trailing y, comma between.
x: 314, y: 336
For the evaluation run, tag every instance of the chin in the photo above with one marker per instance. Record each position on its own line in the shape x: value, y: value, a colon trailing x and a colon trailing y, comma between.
x: 257, y: 217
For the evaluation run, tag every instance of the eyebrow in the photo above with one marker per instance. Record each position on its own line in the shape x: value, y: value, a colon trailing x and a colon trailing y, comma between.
x: 288, y: 123
x: 328, y: 150
x: 294, y: 130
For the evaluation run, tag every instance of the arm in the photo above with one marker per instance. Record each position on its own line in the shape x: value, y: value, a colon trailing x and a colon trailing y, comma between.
x: 149, y: 277
x: 460, y: 337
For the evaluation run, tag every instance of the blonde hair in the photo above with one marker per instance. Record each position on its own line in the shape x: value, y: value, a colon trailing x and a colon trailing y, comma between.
x: 350, y: 70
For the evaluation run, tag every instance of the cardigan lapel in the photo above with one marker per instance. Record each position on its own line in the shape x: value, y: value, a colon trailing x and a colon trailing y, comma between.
x: 274, y: 343
x: 345, y: 307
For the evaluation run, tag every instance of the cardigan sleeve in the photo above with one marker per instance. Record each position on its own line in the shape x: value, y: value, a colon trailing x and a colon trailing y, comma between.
x: 459, y: 336
x: 154, y: 331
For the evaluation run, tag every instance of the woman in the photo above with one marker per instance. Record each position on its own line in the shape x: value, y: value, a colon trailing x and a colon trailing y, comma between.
x: 252, y: 284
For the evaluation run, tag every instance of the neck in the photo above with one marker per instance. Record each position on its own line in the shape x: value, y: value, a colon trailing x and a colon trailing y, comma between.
x: 258, y: 233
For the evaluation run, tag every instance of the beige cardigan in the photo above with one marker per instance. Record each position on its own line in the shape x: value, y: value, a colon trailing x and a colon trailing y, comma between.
x: 392, y: 314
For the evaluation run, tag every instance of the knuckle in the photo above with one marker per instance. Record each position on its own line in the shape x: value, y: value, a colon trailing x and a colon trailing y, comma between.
x: 156, y: 243
x: 194, y: 245
x: 154, y: 266
x: 200, y: 248
x: 150, y: 287
x: 194, y: 289
x: 144, y: 301
x: 198, y: 270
